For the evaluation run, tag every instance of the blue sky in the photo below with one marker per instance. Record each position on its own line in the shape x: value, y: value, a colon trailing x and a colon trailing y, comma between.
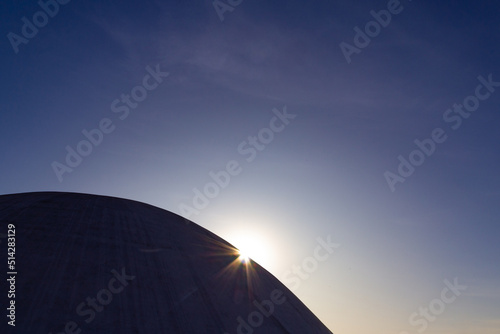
x: 323, y: 174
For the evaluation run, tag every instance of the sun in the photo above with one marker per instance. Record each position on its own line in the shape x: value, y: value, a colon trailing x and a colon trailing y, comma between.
x: 251, y: 246
x: 243, y: 257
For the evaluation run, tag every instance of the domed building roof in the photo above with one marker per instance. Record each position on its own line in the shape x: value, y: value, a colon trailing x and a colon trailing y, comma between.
x: 96, y: 264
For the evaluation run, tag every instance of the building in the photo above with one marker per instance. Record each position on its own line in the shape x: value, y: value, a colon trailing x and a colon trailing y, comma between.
x: 97, y: 264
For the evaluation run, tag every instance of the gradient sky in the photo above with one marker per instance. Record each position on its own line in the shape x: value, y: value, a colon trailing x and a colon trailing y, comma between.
x: 322, y: 175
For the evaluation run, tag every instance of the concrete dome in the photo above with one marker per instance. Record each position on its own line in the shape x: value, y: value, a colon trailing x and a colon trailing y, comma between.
x: 97, y: 264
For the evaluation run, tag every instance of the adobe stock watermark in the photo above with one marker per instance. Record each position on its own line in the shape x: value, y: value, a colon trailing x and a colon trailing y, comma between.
x: 299, y: 273
x: 248, y: 148
x: 427, y: 147
x: 263, y: 309
x: 121, y: 106
x: 221, y: 7
x: 372, y: 29
x: 30, y: 28
x: 425, y: 315
x: 91, y: 305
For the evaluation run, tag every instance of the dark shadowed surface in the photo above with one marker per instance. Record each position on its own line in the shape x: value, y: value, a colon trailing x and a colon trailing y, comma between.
x: 147, y: 270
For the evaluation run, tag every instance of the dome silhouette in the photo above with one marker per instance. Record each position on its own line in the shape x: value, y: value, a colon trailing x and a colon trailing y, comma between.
x: 97, y: 264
